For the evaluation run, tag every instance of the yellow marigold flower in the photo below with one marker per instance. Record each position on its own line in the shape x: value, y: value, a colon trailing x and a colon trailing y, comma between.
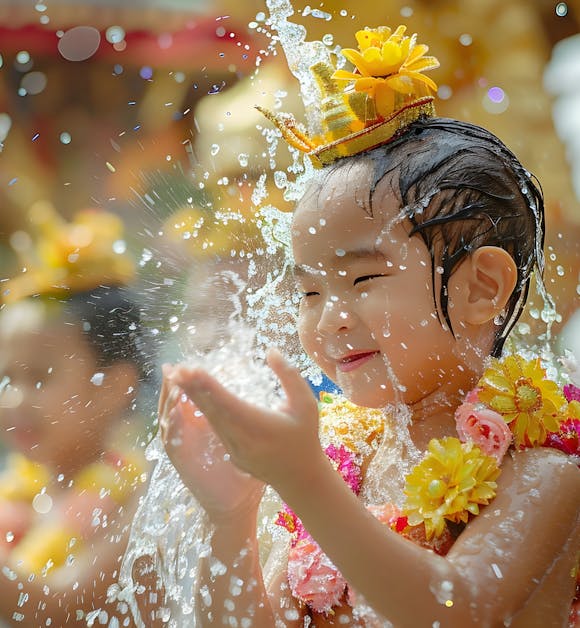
x: 529, y: 403
x: 451, y: 482
x: 357, y: 428
x: 388, y: 64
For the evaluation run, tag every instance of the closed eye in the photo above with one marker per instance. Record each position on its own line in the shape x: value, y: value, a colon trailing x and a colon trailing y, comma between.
x: 309, y: 294
x: 367, y: 278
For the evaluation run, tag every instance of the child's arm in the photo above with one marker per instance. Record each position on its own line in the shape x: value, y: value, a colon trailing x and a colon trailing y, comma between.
x: 230, y: 579
x: 537, y: 504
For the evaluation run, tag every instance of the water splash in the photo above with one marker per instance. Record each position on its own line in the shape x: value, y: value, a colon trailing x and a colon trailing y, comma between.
x: 170, y: 527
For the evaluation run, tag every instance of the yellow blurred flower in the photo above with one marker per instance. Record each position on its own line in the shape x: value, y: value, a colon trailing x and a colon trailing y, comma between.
x: 69, y: 257
x: 22, y: 478
x: 451, y: 482
x: 357, y: 428
x: 388, y: 64
x: 529, y: 403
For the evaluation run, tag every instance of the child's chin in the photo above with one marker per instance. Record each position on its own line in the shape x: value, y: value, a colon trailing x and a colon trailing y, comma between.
x: 367, y: 399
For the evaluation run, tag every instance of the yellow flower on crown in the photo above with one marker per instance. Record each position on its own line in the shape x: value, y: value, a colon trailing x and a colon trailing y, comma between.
x: 451, y: 482
x: 388, y: 64
x: 386, y: 92
x: 530, y: 403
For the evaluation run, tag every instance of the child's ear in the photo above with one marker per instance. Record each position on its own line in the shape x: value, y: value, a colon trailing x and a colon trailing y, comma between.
x: 482, y: 284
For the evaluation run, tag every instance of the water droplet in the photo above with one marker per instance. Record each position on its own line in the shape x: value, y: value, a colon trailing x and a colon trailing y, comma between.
x: 34, y: 82
x: 97, y: 379
x: 119, y: 247
x: 340, y: 252
x: 497, y: 571
x: 9, y: 536
x: 65, y: 138
x: 561, y: 9
x: 42, y: 503
x: 311, y: 230
x: 216, y: 88
x: 115, y: 34
x: 79, y: 43
x: 23, y: 57
x: 328, y: 39
x: 243, y: 159
x: 214, y: 150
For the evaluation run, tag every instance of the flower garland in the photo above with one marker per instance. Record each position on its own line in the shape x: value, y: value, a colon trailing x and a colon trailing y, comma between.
x: 513, y: 405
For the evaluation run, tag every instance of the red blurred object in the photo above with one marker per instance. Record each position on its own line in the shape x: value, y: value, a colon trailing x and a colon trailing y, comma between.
x: 209, y: 43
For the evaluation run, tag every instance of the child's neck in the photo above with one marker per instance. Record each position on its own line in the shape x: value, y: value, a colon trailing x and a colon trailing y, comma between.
x: 433, y: 417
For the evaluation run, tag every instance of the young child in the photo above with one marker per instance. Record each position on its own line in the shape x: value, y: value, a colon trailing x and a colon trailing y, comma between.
x: 414, y: 248
x: 70, y: 367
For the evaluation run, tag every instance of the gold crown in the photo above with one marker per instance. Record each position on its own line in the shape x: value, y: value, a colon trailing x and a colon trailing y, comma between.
x: 69, y: 257
x: 386, y: 92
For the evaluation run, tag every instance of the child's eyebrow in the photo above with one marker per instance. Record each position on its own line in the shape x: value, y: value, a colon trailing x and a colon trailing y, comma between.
x: 300, y: 270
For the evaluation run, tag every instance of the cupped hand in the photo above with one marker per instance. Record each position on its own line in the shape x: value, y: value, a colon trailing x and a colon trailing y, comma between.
x: 201, y: 459
x: 278, y: 446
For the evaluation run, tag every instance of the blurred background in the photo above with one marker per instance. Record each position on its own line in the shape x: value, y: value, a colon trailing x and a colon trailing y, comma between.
x: 116, y: 105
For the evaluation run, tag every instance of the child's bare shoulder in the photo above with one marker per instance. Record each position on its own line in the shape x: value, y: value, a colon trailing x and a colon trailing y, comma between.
x: 542, y: 468
x: 542, y: 482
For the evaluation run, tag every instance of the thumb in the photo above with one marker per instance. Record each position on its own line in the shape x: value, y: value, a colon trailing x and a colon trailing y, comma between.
x: 300, y: 399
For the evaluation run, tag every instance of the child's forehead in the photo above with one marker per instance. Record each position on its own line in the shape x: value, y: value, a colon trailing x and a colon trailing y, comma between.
x: 344, y: 200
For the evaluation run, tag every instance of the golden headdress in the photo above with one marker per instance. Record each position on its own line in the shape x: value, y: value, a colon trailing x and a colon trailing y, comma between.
x: 371, y: 105
x: 68, y: 257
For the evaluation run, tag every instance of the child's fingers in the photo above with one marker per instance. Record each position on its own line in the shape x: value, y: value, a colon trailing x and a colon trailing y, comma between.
x: 227, y: 413
x: 166, y: 414
x: 301, y: 401
x: 166, y: 370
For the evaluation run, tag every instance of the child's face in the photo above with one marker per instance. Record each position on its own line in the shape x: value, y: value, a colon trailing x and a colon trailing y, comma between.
x: 367, y: 316
x: 50, y: 407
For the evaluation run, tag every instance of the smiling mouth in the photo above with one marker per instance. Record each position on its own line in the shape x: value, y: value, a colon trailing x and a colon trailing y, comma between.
x: 354, y: 360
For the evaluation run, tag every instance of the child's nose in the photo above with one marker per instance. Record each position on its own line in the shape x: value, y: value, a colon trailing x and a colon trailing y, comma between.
x: 336, y: 316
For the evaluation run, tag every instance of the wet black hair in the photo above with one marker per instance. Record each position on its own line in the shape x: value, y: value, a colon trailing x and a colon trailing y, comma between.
x: 461, y: 188
x: 110, y: 321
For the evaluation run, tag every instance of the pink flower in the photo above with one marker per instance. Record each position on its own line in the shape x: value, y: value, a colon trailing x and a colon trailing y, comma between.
x: 347, y: 465
x: 567, y: 439
x: 485, y: 428
x: 571, y: 392
x: 313, y: 578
